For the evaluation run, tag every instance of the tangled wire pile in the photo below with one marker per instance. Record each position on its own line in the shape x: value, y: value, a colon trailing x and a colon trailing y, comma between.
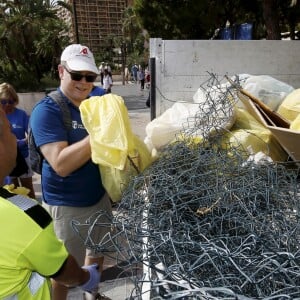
x: 206, y: 222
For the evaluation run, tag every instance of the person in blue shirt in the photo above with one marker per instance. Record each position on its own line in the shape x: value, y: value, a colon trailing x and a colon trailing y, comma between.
x: 19, y: 120
x: 71, y: 183
x: 134, y: 70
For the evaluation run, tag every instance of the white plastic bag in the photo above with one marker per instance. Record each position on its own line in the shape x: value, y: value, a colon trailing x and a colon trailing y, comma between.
x: 267, y: 89
x: 163, y: 129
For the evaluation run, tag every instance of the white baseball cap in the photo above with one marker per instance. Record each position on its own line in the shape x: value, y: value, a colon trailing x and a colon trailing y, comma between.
x: 79, y: 58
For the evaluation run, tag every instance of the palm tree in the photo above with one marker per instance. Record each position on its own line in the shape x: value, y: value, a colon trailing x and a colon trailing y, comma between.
x: 134, y: 36
x: 30, y: 34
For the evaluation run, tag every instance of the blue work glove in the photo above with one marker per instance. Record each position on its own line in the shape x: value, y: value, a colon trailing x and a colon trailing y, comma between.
x: 92, y: 284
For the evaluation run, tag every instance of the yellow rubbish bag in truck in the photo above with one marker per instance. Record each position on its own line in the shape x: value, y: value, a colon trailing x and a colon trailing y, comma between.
x: 119, y: 153
x: 290, y: 106
x: 248, y: 132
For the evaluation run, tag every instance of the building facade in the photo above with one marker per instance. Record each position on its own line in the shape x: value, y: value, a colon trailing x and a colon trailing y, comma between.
x: 96, y: 22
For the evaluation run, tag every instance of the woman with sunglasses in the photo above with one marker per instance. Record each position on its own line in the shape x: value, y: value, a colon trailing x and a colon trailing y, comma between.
x: 19, y: 120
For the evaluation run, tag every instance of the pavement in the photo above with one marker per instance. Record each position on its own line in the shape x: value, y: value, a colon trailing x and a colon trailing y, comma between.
x: 114, y: 283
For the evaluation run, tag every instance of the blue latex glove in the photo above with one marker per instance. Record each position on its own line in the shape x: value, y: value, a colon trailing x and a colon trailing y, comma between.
x: 92, y: 284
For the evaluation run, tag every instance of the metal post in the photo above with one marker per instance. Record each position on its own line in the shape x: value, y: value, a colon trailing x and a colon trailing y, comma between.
x: 152, y: 88
x: 123, y: 57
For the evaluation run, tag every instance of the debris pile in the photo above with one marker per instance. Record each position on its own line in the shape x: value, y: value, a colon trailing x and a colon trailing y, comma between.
x: 206, y: 222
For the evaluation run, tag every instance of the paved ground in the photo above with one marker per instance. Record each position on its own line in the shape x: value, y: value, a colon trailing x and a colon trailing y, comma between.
x: 116, y: 285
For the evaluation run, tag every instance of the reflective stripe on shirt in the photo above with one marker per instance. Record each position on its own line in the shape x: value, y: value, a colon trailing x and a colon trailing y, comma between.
x: 22, y: 202
x: 35, y: 282
x: 14, y: 297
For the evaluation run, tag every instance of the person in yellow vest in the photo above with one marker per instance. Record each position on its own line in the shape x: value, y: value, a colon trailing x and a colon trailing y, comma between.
x: 30, y: 253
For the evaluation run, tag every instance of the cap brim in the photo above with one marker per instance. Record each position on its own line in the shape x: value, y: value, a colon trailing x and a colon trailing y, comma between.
x: 80, y: 65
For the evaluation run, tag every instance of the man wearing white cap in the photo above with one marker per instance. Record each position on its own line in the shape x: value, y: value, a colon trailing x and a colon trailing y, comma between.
x: 71, y: 182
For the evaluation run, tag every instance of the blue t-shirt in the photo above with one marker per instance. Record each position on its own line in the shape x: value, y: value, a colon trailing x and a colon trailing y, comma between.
x: 81, y: 188
x: 97, y: 91
x: 19, y: 121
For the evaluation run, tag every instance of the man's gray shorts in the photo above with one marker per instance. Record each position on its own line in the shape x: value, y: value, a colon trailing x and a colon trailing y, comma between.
x: 63, y: 217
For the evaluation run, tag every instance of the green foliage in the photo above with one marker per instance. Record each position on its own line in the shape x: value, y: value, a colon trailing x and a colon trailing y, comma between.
x: 49, y: 82
x: 32, y: 38
x: 134, y: 38
x: 177, y: 19
x: 193, y: 19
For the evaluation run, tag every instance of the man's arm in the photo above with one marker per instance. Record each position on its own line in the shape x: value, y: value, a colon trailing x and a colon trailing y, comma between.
x: 70, y: 274
x: 64, y: 158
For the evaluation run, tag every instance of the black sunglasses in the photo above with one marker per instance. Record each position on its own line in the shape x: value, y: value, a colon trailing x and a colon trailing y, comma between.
x: 77, y: 76
x: 4, y: 101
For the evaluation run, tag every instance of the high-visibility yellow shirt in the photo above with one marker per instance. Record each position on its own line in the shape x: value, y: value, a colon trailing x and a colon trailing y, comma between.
x: 30, y: 252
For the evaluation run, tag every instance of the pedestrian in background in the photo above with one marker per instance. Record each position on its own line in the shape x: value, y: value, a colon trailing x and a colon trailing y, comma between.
x: 107, y: 82
x: 108, y: 68
x: 30, y: 252
x: 134, y: 70
x: 126, y: 74
x: 71, y: 182
x: 141, y: 77
x: 19, y: 121
x: 147, y: 78
x: 101, y: 71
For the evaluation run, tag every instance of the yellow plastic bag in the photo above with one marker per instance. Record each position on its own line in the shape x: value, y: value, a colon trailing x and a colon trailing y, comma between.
x: 19, y: 190
x: 295, y: 125
x: 248, y: 132
x: 290, y: 106
x: 116, y: 181
x: 119, y: 153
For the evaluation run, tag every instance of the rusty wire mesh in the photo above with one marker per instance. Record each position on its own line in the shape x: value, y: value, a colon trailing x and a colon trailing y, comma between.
x: 205, y: 223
